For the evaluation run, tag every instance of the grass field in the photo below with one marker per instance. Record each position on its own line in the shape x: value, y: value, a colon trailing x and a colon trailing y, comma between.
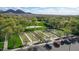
x: 1, y: 45
x: 14, y: 41
x: 1, y: 42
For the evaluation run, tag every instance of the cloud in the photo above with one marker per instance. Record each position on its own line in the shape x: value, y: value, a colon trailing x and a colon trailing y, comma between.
x: 47, y: 10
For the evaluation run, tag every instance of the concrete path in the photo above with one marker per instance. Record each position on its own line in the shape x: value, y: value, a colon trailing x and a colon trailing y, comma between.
x: 5, y: 44
x: 21, y: 40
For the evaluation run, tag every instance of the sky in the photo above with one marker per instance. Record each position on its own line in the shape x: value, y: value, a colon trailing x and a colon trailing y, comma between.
x: 39, y: 3
x: 47, y: 10
x: 59, y: 7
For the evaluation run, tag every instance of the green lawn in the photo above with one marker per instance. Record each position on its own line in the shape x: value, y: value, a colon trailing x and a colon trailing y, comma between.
x: 1, y: 45
x: 14, y: 41
x: 1, y: 42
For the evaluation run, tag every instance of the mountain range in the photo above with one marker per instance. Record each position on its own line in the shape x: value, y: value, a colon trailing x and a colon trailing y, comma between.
x: 41, y: 10
x: 18, y: 11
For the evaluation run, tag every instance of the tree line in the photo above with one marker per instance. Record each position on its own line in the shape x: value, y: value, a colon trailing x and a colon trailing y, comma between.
x: 10, y: 24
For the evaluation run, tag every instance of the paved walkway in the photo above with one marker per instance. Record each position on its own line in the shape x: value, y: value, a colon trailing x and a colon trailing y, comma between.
x: 40, y: 47
x: 21, y: 40
x: 5, y: 44
x: 26, y: 47
x: 33, y: 27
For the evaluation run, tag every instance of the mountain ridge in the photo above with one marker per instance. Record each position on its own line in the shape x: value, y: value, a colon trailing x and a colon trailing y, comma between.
x: 18, y: 11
